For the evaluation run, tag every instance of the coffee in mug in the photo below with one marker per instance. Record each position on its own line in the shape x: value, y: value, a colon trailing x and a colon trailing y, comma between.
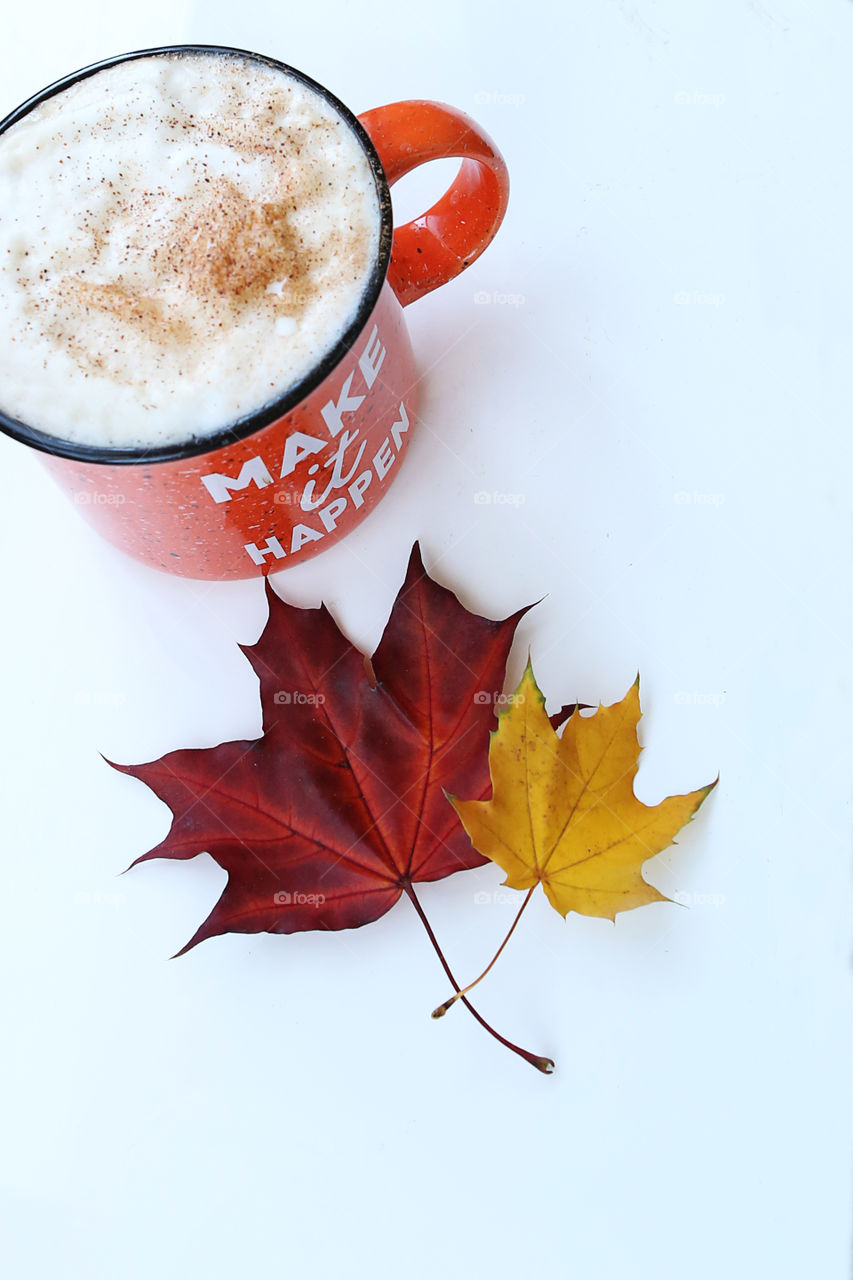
x: 202, y: 292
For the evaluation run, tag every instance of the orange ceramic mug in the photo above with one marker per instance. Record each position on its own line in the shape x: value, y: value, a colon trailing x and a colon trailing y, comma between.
x: 258, y: 495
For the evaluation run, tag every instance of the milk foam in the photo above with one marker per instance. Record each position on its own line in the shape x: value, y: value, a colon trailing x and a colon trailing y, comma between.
x: 182, y: 238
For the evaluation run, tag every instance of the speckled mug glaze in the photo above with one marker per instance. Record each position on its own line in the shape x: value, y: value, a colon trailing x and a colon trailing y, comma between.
x: 287, y: 482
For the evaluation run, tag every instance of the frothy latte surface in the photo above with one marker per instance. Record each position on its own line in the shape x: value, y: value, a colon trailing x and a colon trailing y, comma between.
x: 182, y: 238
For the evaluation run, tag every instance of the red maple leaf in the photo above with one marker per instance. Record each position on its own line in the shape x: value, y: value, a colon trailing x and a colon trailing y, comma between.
x: 339, y: 807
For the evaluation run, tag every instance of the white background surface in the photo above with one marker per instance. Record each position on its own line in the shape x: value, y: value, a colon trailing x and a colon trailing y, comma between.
x: 667, y: 396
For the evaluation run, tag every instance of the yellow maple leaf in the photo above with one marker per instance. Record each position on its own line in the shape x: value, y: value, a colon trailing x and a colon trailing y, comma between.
x: 563, y: 810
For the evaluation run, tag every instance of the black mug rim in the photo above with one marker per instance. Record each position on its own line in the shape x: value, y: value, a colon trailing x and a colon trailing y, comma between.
x: 246, y: 426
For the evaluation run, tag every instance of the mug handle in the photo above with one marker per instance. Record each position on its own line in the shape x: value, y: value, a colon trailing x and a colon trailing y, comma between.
x: 447, y: 238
